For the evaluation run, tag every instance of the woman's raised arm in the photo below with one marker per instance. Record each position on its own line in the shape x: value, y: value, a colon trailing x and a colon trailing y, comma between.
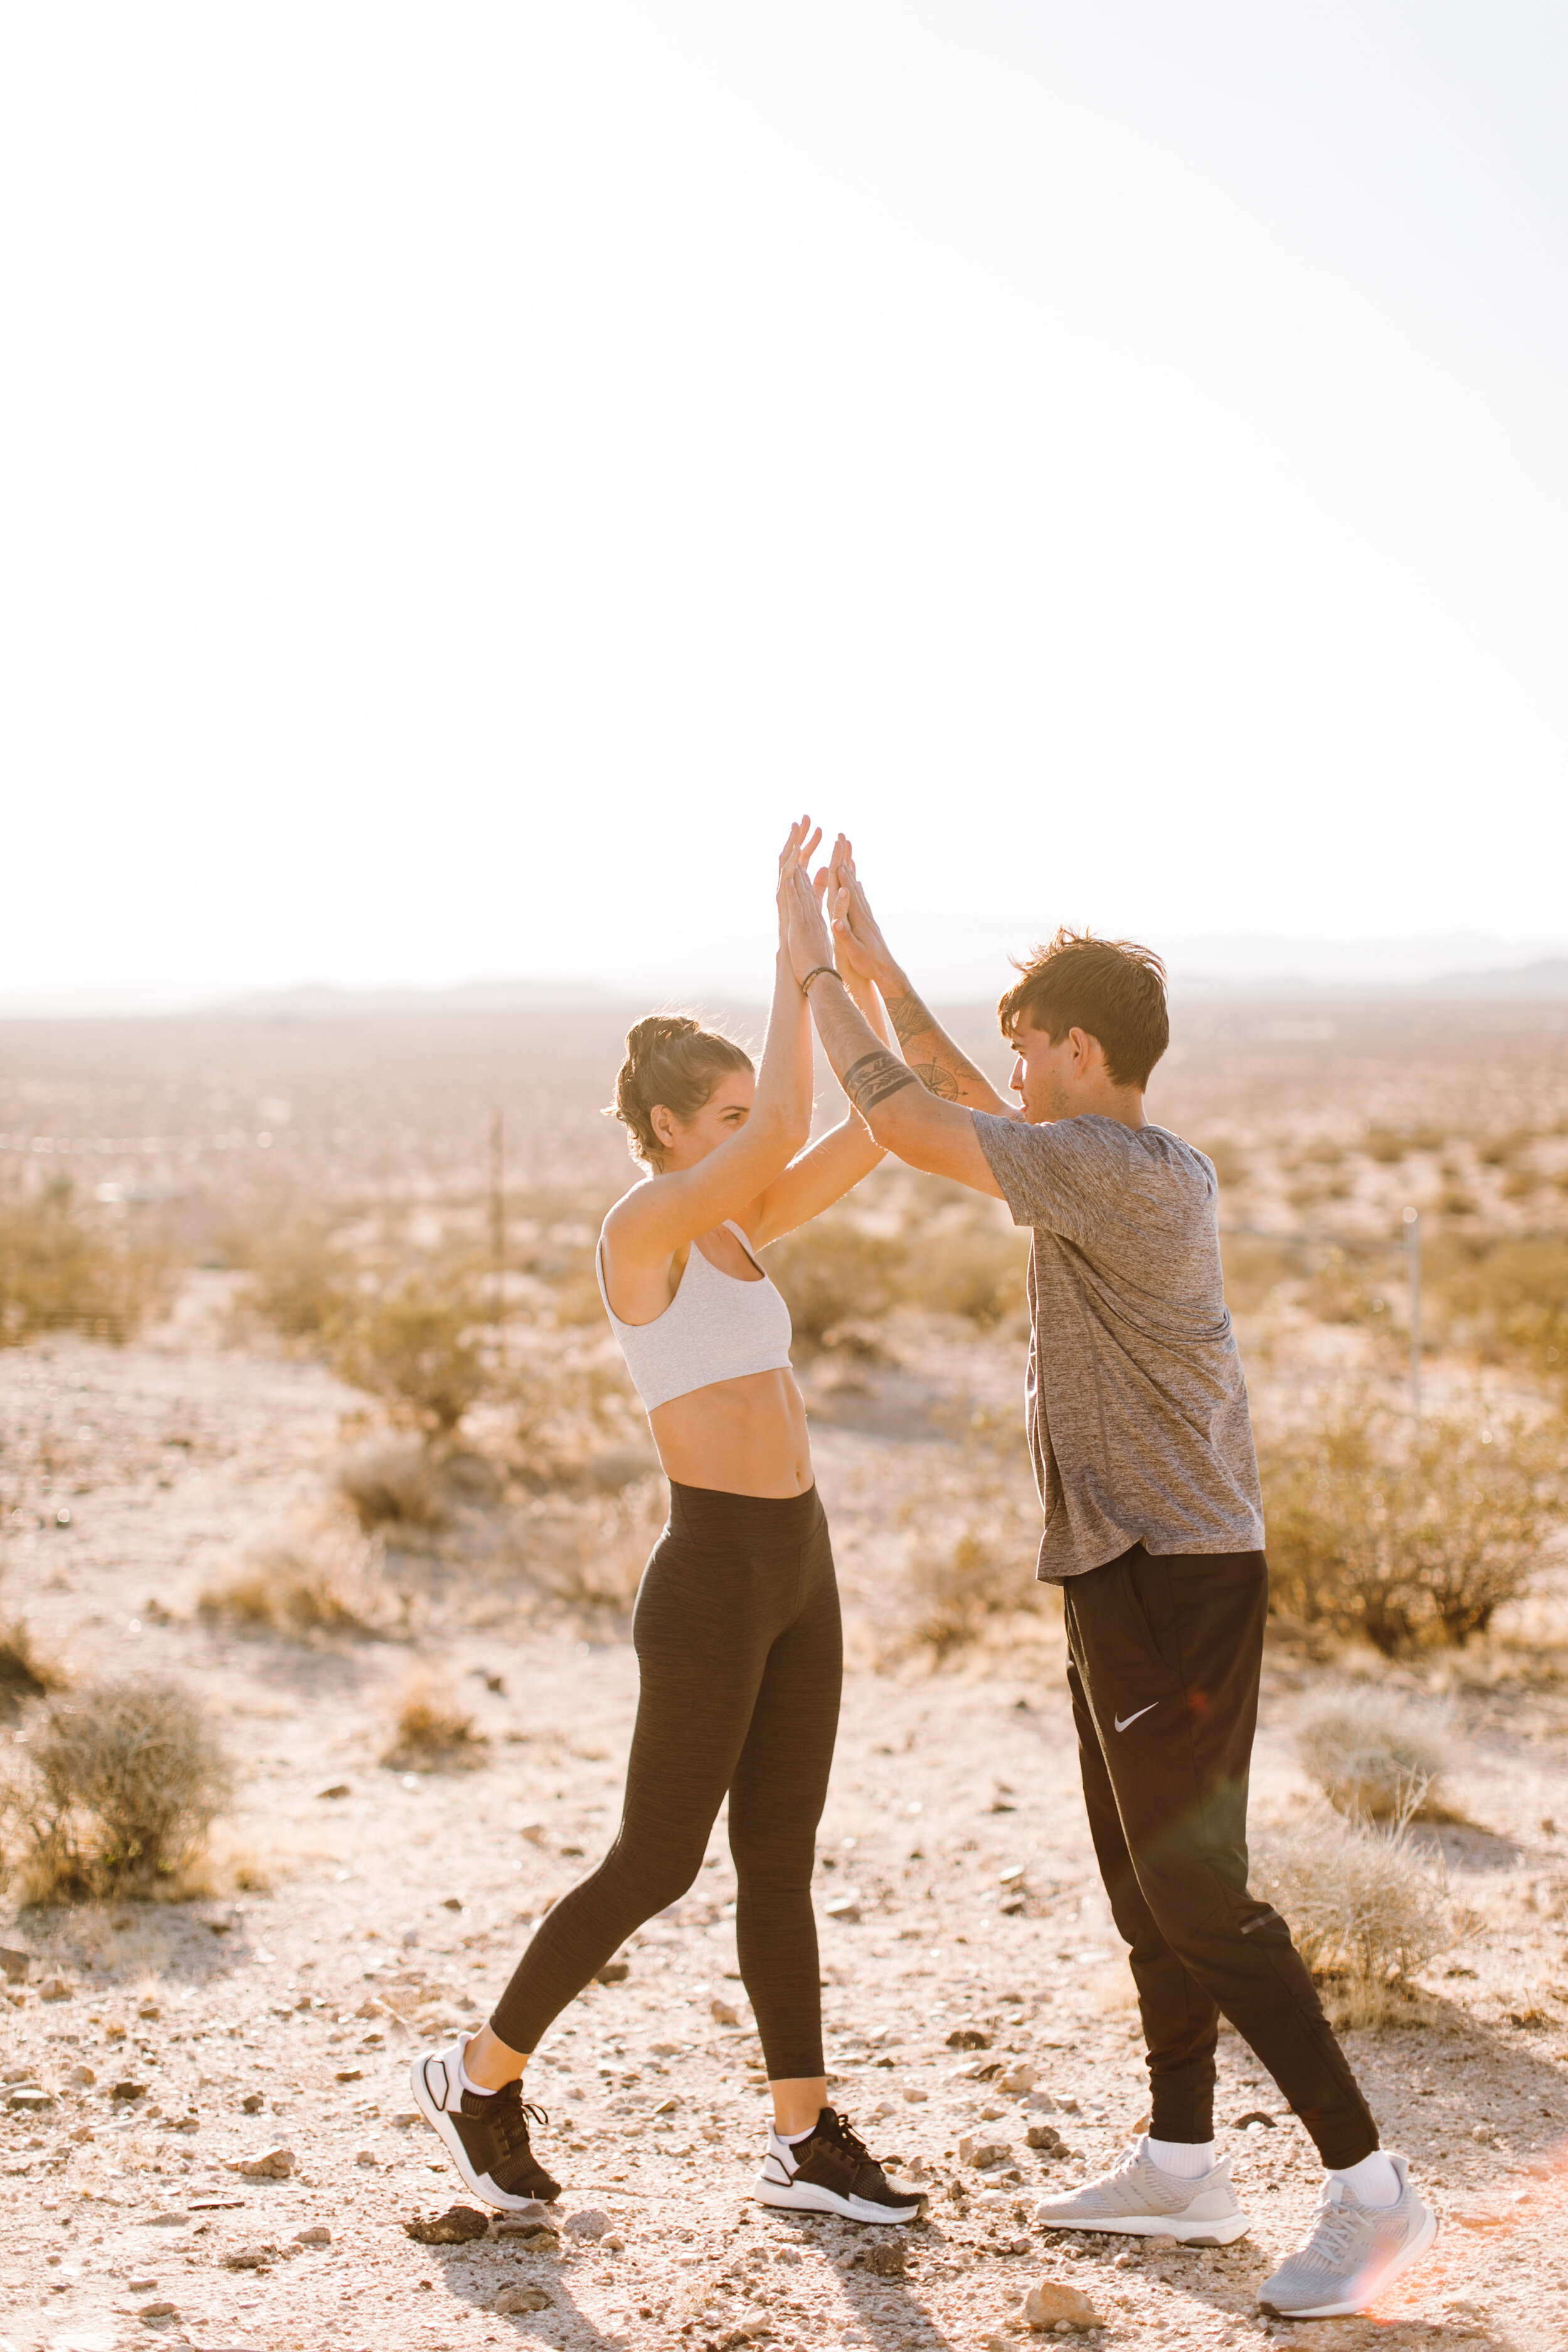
x: 657, y: 1218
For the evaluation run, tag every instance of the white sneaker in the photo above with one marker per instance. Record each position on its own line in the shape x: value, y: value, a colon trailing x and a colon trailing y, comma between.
x: 1353, y: 2253
x: 486, y: 2136
x: 1139, y: 2201
x: 834, y: 2172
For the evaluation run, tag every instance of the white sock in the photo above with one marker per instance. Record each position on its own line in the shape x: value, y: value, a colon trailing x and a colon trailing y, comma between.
x: 793, y: 2140
x: 1373, y: 2182
x: 1185, y: 2159
x: 466, y: 2081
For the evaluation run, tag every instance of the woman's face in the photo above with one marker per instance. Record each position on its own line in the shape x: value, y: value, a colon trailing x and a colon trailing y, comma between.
x: 683, y: 1142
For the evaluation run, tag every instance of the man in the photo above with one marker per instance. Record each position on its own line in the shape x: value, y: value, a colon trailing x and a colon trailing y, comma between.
x: 1143, y: 1456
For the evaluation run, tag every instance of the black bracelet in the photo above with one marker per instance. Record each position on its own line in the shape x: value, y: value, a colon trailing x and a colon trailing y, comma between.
x: 816, y: 973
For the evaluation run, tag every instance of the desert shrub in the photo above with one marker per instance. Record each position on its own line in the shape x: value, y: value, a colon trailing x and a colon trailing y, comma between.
x: 1405, y: 1538
x: 392, y: 1485
x: 413, y: 1347
x: 832, y: 1272
x: 1372, y: 1752
x: 1364, y: 1908
x: 1339, y: 1291
x: 570, y: 1416
x: 25, y: 1670
x: 1253, y: 1267
x: 591, y: 1556
x: 1388, y: 1146
x: 1230, y: 1165
x: 117, y: 1789
x: 1505, y: 1300
x: 957, y: 1584
x: 298, y: 1584
x: 966, y: 1265
x: 57, y: 1275
x: 299, y: 1282
x: 432, y: 1731
x: 974, y: 1533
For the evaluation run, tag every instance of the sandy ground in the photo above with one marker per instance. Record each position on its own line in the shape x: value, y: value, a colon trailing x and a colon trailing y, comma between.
x: 393, y: 1908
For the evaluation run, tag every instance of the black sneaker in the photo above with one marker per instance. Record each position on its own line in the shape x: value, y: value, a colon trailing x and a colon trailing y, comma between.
x: 486, y: 2138
x: 834, y: 2171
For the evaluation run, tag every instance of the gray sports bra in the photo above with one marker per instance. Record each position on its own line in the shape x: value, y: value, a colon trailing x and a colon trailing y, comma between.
x: 716, y: 1327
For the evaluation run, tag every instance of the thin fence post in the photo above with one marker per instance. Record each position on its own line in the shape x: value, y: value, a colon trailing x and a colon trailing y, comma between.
x: 1412, y: 1266
x: 498, y: 1229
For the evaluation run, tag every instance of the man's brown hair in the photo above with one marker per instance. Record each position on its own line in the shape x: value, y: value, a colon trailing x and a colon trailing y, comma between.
x: 1112, y: 989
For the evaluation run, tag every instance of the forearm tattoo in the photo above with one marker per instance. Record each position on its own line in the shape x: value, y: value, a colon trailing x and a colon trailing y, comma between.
x: 909, y: 1016
x: 912, y: 1018
x: 875, y: 1077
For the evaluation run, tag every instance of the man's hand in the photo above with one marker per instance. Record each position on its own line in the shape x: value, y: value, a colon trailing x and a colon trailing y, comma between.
x: 856, y: 934
x: 938, y: 1063
x: 807, y: 935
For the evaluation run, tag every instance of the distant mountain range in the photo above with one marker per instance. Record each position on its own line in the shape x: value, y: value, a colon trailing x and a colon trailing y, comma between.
x: 954, y: 961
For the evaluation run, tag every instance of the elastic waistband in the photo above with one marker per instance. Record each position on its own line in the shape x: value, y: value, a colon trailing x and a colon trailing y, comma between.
x: 706, y: 1513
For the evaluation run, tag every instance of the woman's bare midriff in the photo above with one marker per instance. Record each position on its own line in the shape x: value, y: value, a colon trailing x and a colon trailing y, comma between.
x: 738, y: 1437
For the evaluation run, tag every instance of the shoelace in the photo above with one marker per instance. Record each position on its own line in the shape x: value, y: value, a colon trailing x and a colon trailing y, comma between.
x: 513, y: 2119
x: 1332, y: 2231
x: 838, y: 2127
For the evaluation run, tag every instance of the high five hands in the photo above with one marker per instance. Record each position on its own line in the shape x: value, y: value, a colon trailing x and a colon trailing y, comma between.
x: 808, y: 902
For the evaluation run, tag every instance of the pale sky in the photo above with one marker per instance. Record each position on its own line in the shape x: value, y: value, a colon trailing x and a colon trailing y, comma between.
x: 469, y: 474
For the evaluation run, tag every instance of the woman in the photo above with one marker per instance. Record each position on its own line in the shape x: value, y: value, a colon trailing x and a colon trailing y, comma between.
x: 736, y: 1625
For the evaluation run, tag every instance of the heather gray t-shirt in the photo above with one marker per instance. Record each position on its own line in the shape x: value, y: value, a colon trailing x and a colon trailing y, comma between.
x: 1135, y: 1398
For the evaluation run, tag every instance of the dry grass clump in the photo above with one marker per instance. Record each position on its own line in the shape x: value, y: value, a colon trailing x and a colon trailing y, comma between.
x: 1365, y: 1911
x: 591, y: 1556
x: 959, y: 1586
x: 833, y: 1272
x: 301, y: 1584
x: 392, y: 1486
x: 965, y: 1264
x: 576, y: 1424
x: 299, y: 1282
x: 1254, y: 1267
x: 25, y: 1671
x: 952, y: 1256
x: 60, y: 1275
x: 415, y: 1347
x: 1502, y: 1298
x: 116, y: 1790
x: 433, y: 1733
x: 1407, y: 1540
x: 971, y: 1562
x: 1373, y: 1753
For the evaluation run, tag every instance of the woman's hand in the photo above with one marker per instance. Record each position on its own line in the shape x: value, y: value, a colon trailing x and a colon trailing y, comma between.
x: 806, y: 935
x: 793, y: 858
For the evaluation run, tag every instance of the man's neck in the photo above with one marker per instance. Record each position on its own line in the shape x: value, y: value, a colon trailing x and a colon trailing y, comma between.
x: 1123, y: 1104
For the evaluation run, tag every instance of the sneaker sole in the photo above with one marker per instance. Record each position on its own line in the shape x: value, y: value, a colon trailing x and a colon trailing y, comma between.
x: 1223, y: 2232
x: 1401, y: 2262
x: 806, y: 2197
x: 441, y: 2124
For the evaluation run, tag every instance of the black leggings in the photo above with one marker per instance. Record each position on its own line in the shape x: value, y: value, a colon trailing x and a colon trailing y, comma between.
x: 738, y: 1639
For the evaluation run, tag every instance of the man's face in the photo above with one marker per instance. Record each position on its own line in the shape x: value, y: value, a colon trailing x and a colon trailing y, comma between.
x: 1042, y: 1072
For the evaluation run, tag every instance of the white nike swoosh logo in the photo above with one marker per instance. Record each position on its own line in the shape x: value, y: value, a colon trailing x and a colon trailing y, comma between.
x: 1123, y: 1720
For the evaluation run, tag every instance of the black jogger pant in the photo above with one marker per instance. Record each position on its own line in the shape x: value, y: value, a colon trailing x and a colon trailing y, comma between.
x: 740, y: 1653
x: 1164, y: 1655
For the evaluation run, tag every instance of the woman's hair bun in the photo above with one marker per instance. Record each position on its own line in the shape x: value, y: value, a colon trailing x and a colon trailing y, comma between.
x: 673, y: 1060
x: 644, y: 1038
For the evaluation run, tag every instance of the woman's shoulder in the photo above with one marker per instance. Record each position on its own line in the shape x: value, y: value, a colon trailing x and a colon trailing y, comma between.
x: 623, y: 1218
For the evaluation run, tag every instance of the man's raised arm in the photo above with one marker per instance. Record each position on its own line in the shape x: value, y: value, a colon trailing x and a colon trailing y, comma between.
x: 925, y: 1129
x: 941, y: 1067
